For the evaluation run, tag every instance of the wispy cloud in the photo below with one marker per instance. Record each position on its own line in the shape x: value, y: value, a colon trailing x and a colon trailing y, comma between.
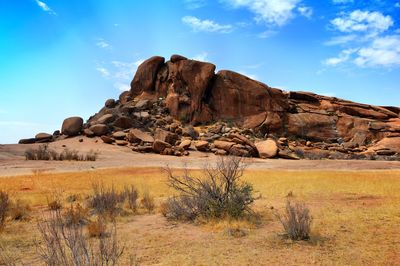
x: 342, y: 57
x: 103, y: 44
x: 266, y: 34
x: 194, y: 4
x: 103, y: 71
x: 45, y: 7
x: 206, y: 25
x: 305, y: 11
x: 342, y: 1
x: 252, y: 76
x: 383, y: 51
x: 120, y: 72
x: 201, y: 57
x: 274, y: 12
x: 343, y: 39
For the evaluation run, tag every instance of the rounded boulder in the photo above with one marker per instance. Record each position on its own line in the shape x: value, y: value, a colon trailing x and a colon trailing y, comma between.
x: 72, y: 126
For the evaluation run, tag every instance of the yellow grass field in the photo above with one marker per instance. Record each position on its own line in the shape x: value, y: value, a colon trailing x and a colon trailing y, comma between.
x: 356, y: 219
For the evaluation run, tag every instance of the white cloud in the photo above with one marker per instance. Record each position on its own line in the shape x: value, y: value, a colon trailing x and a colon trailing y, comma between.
x: 201, y: 57
x: 103, y: 71
x: 206, y: 25
x: 343, y: 57
x: 275, y: 12
x: 369, y: 42
x: 397, y: 5
x: 45, y: 7
x: 103, y: 44
x: 342, y: 1
x: 305, y: 11
x: 125, y: 70
x: 341, y: 39
x: 194, y: 4
x: 266, y: 34
x: 384, y: 51
x: 362, y: 21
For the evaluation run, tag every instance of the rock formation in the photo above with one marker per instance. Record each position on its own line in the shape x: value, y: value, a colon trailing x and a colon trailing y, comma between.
x: 182, y: 104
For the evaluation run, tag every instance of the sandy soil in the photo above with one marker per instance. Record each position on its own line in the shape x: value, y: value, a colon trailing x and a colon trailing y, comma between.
x: 12, y: 161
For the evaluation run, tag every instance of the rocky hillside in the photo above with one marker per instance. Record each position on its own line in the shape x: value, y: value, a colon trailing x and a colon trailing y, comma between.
x: 181, y: 105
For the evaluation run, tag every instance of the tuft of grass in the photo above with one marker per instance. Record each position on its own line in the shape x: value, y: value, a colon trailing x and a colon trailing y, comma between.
x: 20, y: 210
x: 148, y: 201
x: 4, y: 207
x: 296, y: 220
x: 106, y: 201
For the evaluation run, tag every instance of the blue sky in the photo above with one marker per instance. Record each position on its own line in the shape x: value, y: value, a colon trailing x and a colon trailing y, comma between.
x: 65, y: 58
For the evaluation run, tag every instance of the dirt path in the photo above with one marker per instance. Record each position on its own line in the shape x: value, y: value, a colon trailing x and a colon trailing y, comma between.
x: 12, y: 161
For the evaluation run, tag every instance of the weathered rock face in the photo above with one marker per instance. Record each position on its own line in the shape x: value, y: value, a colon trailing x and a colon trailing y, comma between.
x: 168, y: 99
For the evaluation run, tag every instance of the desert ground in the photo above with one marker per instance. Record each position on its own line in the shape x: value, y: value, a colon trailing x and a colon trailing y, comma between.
x: 355, y: 207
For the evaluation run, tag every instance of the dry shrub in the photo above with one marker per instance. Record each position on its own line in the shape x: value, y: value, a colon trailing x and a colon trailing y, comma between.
x: 218, y: 193
x: 43, y: 152
x: 97, y: 228
x: 76, y: 215
x: 67, y: 245
x: 296, y: 220
x: 106, y: 201
x: 4, y: 208
x: 19, y: 210
x: 6, y: 257
x: 132, y: 195
x: 147, y: 201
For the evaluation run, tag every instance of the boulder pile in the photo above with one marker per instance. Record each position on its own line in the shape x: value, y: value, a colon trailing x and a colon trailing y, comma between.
x: 181, y: 105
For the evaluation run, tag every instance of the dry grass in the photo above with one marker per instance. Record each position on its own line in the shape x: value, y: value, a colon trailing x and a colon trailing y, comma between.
x: 356, y: 217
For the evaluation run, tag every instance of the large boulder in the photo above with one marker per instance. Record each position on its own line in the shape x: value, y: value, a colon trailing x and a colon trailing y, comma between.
x: 72, y: 126
x: 159, y: 146
x: 43, y: 136
x: 234, y: 97
x: 267, y: 149
x: 138, y: 136
x: 183, y: 83
x: 99, y: 129
x: 166, y: 136
x: 145, y: 76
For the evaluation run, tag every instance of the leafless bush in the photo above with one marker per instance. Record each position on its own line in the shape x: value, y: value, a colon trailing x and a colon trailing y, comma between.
x: 106, y: 201
x: 148, y: 201
x: 67, y: 245
x: 4, y: 207
x: 132, y: 195
x: 219, y: 192
x: 296, y: 220
x: 43, y: 152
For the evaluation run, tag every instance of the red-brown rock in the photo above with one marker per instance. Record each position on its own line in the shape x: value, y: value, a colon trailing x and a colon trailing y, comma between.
x: 145, y: 76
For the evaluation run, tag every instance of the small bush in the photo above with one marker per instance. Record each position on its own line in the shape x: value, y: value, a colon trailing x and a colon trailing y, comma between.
x: 106, y: 201
x: 296, y: 220
x: 4, y: 208
x: 218, y: 193
x: 132, y: 195
x: 76, y: 215
x: 43, y: 152
x: 67, y: 245
x: 148, y: 202
x: 19, y: 210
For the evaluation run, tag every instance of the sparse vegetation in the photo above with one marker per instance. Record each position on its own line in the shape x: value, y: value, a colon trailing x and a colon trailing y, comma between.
x: 44, y: 153
x: 296, y: 220
x: 218, y: 193
x: 106, y: 201
x: 19, y: 210
x: 67, y: 245
x: 4, y: 207
x: 132, y: 195
x: 76, y: 215
x: 148, y: 201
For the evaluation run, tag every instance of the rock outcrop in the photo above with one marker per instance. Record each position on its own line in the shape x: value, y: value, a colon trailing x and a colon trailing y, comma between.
x: 182, y: 104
